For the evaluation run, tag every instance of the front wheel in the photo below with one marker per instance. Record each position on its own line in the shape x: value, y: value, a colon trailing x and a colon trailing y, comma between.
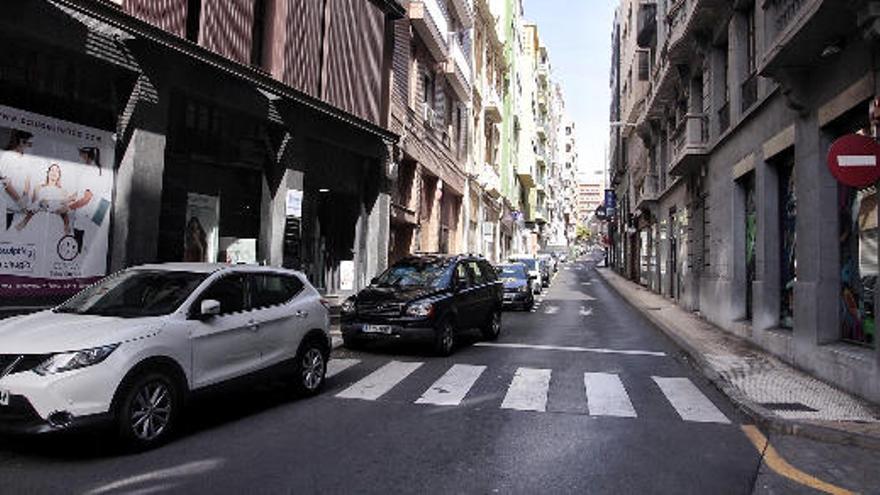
x: 310, y: 368
x: 493, y: 328
x: 149, y: 410
x: 444, y: 339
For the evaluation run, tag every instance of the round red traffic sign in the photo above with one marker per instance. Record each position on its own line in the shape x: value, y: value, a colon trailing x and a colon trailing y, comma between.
x: 854, y: 160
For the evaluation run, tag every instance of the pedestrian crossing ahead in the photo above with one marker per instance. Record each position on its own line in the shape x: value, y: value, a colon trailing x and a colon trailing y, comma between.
x: 528, y: 389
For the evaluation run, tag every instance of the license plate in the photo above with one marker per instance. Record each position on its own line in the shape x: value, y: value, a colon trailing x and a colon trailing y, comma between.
x: 385, y: 329
x: 4, y: 397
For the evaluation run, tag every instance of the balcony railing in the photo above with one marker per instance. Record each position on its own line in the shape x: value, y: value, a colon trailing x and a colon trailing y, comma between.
x: 689, y: 143
x: 490, y: 180
x: 430, y: 22
x: 749, y: 92
x: 783, y: 12
x: 493, y: 105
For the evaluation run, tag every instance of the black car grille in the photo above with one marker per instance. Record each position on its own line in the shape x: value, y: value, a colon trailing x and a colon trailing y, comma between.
x: 381, y: 310
x: 19, y: 410
x: 19, y: 363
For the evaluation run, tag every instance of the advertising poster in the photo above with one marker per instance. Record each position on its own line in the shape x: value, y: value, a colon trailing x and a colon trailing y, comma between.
x: 56, y: 184
x: 234, y: 250
x: 202, y: 228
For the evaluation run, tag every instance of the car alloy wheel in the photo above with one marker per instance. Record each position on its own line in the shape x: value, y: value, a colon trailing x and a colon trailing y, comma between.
x: 493, y: 329
x: 445, y: 340
x: 312, y: 369
x: 151, y: 410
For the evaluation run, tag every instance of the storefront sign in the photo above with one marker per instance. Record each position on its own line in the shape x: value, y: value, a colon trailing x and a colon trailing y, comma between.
x: 294, y: 203
x: 610, y: 203
x: 853, y: 160
x: 346, y: 275
x: 202, y: 228
x: 56, y: 183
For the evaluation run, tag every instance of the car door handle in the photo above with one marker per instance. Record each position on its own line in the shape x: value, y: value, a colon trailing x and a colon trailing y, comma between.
x: 301, y: 314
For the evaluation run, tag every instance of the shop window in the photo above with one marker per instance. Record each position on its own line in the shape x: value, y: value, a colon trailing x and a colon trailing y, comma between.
x: 788, y: 240
x: 751, y: 224
x: 858, y: 258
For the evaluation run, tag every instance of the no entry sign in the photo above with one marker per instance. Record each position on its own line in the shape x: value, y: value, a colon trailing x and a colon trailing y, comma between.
x: 854, y: 160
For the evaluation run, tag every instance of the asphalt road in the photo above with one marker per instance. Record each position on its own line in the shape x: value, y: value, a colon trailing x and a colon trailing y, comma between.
x: 519, y: 421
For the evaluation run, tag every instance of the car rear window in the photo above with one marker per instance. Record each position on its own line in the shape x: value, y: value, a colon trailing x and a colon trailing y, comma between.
x: 270, y: 289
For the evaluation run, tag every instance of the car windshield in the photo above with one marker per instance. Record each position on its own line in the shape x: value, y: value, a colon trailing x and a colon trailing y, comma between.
x: 417, y: 273
x: 530, y: 263
x: 135, y: 294
x: 513, y: 271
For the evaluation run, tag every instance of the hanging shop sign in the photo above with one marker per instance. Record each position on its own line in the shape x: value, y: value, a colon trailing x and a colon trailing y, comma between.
x: 854, y: 160
x: 56, y: 185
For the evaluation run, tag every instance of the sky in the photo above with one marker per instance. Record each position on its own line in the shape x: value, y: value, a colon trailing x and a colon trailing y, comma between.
x: 577, y: 34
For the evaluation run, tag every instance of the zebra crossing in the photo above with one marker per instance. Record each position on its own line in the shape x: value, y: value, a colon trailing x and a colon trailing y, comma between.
x: 528, y: 389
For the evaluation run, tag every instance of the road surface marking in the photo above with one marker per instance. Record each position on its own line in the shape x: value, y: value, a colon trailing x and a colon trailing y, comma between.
x: 528, y: 390
x: 377, y: 383
x: 551, y: 310
x: 570, y: 349
x: 781, y: 467
x: 586, y: 311
x: 337, y: 366
x: 606, y: 396
x: 586, y: 283
x: 688, y: 401
x: 451, y: 388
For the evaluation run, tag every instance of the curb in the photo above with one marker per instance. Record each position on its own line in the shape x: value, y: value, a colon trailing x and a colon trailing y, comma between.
x: 759, y: 414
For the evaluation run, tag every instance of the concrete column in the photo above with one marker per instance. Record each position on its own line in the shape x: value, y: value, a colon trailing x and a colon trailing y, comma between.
x: 817, y: 290
x: 137, y: 203
x: 767, y: 251
x: 274, y: 215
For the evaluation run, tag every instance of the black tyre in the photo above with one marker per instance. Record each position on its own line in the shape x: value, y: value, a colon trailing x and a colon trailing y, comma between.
x: 444, y: 339
x: 492, y: 329
x: 310, y: 367
x: 352, y: 344
x: 149, y: 409
x: 529, y: 305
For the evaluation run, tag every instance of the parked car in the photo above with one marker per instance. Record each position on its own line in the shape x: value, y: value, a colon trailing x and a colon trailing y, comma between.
x: 534, y: 270
x: 517, y: 287
x: 131, y: 348
x: 429, y: 298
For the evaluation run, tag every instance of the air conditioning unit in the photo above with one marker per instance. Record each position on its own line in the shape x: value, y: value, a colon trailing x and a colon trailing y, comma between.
x: 429, y: 116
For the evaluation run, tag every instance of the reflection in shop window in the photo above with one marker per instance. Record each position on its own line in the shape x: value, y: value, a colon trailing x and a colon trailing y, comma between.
x: 858, y: 257
x: 788, y: 227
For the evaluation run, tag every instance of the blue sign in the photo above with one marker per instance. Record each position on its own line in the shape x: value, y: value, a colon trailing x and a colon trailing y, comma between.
x: 610, y: 203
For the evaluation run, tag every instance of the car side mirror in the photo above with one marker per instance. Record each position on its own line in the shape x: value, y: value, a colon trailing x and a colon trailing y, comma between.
x: 208, y: 309
x: 374, y: 280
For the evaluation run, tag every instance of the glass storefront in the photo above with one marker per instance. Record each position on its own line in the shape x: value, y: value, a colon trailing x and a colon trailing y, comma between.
x: 751, y: 224
x: 858, y: 258
x: 788, y: 241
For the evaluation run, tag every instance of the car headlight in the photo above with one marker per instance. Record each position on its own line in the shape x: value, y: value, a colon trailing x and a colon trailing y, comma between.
x: 69, y: 361
x: 423, y: 309
x: 524, y: 288
x: 348, y: 306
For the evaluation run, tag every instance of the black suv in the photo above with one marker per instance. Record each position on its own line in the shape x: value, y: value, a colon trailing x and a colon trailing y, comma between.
x: 426, y: 298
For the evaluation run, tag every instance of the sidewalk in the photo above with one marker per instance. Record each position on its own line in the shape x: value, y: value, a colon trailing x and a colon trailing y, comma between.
x: 774, y: 394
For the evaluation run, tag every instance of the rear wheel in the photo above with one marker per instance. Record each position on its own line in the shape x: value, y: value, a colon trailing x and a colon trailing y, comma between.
x: 444, y: 339
x: 148, y: 410
x: 493, y: 328
x: 310, y: 367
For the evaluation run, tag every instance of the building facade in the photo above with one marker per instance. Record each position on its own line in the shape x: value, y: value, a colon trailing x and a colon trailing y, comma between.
x: 743, y: 101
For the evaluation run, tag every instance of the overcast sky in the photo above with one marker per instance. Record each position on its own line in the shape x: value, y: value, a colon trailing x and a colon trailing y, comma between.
x: 577, y: 34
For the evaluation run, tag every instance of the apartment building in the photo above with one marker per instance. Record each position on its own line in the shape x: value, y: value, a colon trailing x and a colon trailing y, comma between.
x: 430, y: 99
x: 200, y: 130
x: 743, y: 101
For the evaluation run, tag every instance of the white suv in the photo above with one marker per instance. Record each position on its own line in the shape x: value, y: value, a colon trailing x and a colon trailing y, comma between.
x: 131, y: 348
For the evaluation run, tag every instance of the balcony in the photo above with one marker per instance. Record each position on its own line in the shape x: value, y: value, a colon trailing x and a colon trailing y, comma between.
x: 749, y: 92
x: 724, y: 118
x: 462, y: 10
x: 799, y: 30
x: 646, y: 30
x: 490, y: 181
x: 685, y: 18
x: 689, y: 143
x: 493, y: 106
x: 525, y: 171
x: 458, y: 70
x: 430, y: 23
x: 649, y: 193
x: 543, y: 72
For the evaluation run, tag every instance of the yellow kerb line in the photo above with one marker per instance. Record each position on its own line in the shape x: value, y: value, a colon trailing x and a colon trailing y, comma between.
x: 781, y: 467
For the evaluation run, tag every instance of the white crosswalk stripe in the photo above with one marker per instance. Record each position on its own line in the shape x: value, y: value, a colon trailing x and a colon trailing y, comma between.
x: 606, y: 396
x: 452, y: 387
x: 379, y: 382
x: 528, y: 390
x: 688, y: 401
x: 337, y: 366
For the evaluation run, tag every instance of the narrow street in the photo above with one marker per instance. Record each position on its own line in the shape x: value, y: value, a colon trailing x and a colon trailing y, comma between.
x: 375, y: 427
